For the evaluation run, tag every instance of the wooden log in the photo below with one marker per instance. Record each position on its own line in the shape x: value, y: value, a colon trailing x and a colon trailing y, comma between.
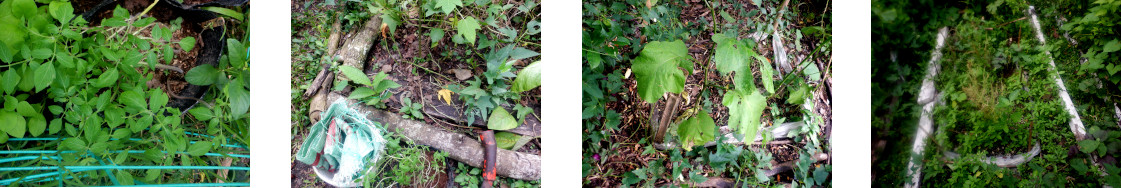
x: 462, y: 148
x: 353, y: 53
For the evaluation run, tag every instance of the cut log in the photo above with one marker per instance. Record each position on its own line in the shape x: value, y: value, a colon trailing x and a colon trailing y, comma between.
x: 462, y: 148
x: 353, y: 53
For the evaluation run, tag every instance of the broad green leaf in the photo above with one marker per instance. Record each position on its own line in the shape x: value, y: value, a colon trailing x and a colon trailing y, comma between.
x: 767, y: 72
x: 44, y: 75
x: 744, y: 111
x: 528, y: 78
x: 64, y: 59
x: 202, y: 75
x: 239, y: 99
x: 522, y: 53
x: 42, y: 53
x: 729, y: 58
x: 656, y: 69
x: 382, y: 84
x: 501, y: 120
x: 108, y: 78
x: 10, y: 76
x: 361, y: 92
x: 812, y: 72
x: 226, y: 12
x: 199, y: 148
x: 121, y: 133
x: 201, y: 113
x: 55, y: 126
x: 799, y: 96
x: 25, y: 109
x: 506, y: 140
x: 236, y: 52
x: 141, y: 124
x: 61, y: 11
x: 1087, y: 146
x: 187, y: 43
x: 696, y: 130
x: 152, y: 174
x: 1111, y: 46
x: 13, y: 124
x: 36, y: 125
x: 132, y: 99
x: 447, y: 6
x: 157, y: 99
x: 23, y: 8
x: 125, y: 177
x: 355, y: 75
x: 73, y: 143
x: 467, y: 28
x: 6, y: 52
x: 436, y: 35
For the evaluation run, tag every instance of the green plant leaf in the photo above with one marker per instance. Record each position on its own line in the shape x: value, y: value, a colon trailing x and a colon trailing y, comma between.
x: 202, y: 75
x: 157, y: 99
x: 61, y: 11
x: 55, y: 126
x: 25, y: 109
x: 696, y: 130
x: 501, y: 120
x: 1111, y: 46
x: 187, y: 43
x: 239, y: 99
x: 6, y: 53
x: 656, y: 69
x: 132, y: 99
x: 44, y: 75
x: 13, y: 124
x: 744, y: 111
x: 10, y: 76
x: 73, y: 143
x: 355, y: 75
x: 506, y: 140
x: 199, y: 148
x: 728, y: 57
x: 23, y: 8
x: 36, y: 125
x: 226, y: 12
x: 201, y: 113
x: 436, y: 34
x: 799, y: 96
x: 447, y: 6
x: 361, y: 92
x: 767, y: 73
x: 107, y: 78
x: 528, y: 78
x: 236, y: 52
x: 1087, y: 146
x: 522, y: 53
x: 467, y: 28
x: 382, y: 84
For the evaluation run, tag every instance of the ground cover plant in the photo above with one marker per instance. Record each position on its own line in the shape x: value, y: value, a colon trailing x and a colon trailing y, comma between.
x: 103, y: 90
x: 998, y: 92
x: 688, y: 93
x: 462, y: 66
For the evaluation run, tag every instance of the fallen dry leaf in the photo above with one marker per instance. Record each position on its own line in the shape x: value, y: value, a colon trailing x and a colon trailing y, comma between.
x: 445, y: 95
x: 462, y: 74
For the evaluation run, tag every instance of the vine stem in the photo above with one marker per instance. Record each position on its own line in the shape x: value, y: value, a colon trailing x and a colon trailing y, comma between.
x: 150, y: 7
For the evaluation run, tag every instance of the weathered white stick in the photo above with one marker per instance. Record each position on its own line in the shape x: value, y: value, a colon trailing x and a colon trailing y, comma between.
x: 1075, y: 121
x: 1002, y: 161
x: 927, y: 97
